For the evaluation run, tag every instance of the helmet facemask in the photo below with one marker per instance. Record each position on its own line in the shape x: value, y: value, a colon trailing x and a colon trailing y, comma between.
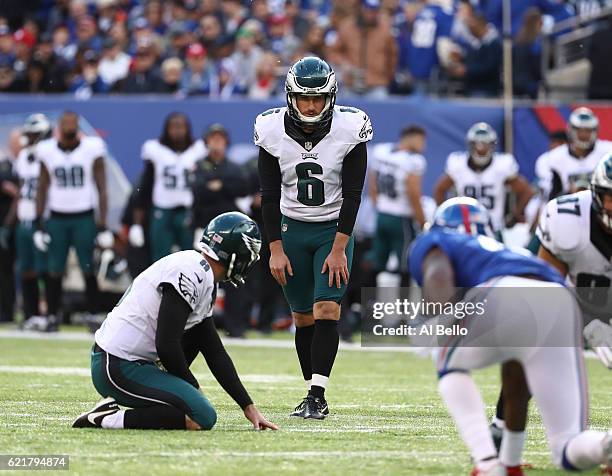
x: 582, y: 118
x: 481, y: 139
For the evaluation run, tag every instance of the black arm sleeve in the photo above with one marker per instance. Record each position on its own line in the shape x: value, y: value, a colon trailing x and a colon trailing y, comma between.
x: 173, y: 314
x: 270, y: 179
x: 145, y: 187
x: 353, y: 176
x: 219, y: 361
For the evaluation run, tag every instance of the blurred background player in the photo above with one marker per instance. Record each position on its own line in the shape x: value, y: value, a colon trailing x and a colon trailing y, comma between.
x: 31, y: 262
x: 395, y: 188
x: 451, y: 255
x: 9, y: 190
x: 165, y: 188
x: 217, y: 183
x: 72, y: 173
x: 310, y: 202
x: 568, y: 168
x: 484, y: 174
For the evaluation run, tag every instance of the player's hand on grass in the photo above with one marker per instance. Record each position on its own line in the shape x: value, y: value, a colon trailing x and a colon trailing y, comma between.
x: 257, y: 419
x: 337, y: 266
x: 279, y: 262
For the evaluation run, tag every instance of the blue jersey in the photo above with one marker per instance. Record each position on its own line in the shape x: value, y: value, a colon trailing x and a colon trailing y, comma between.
x: 476, y: 259
x: 431, y: 23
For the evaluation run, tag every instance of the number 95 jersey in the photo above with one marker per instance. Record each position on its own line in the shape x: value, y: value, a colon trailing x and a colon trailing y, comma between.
x: 569, y: 229
x: 311, y: 188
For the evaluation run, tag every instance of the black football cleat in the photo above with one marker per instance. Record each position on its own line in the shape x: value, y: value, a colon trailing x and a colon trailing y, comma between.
x: 93, y: 418
x: 300, y: 410
x: 316, y: 408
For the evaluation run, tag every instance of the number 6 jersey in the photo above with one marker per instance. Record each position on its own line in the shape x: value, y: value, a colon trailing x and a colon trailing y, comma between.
x: 311, y: 188
x: 570, y: 230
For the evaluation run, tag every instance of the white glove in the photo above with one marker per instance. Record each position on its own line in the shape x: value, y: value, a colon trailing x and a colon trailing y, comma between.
x: 41, y: 240
x: 136, y: 236
x: 197, y: 237
x: 105, y: 239
x: 598, y: 334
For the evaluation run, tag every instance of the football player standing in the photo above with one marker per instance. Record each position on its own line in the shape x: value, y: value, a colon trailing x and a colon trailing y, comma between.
x: 312, y: 166
x: 483, y: 174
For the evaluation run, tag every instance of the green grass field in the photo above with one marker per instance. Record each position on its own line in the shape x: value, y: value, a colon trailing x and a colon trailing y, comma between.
x: 386, y: 417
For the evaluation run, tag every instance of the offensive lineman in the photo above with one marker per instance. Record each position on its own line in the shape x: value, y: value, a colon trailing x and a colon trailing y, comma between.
x: 395, y: 188
x: 71, y: 172
x: 445, y: 258
x: 165, y: 318
x: 568, y: 167
x: 30, y: 260
x: 166, y: 185
x: 312, y: 166
x: 483, y: 174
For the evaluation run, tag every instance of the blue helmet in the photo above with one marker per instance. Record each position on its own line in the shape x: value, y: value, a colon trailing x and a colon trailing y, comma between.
x: 463, y: 215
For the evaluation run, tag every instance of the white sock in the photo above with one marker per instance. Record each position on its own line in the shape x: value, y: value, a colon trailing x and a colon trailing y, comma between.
x: 114, y: 420
x: 319, y: 380
x: 308, y: 384
x: 585, y: 450
x: 465, y: 405
x: 511, y: 451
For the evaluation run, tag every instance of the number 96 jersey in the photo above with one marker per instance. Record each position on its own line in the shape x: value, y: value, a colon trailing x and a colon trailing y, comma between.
x: 311, y: 174
x: 568, y: 228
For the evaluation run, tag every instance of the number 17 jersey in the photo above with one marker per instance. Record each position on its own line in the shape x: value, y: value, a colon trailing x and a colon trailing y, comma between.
x: 311, y: 175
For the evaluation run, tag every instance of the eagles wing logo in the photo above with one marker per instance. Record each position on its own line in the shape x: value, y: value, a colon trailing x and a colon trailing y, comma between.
x: 253, y: 245
x: 188, y: 289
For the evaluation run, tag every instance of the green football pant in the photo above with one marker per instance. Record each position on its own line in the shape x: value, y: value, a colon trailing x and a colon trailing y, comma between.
x: 140, y: 384
x: 66, y: 230
x: 307, y: 245
x: 29, y: 258
x: 393, y: 235
x: 168, y: 227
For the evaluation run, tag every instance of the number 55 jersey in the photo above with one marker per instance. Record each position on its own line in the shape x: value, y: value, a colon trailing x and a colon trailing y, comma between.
x: 311, y: 188
x: 570, y: 230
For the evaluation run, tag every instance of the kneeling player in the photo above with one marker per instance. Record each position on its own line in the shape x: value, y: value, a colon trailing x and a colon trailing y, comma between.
x: 442, y: 259
x: 165, y: 317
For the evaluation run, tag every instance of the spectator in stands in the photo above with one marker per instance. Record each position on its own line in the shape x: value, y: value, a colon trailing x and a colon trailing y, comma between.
x: 143, y: 77
x: 172, y: 70
x: 234, y: 15
x: 365, y: 52
x: 87, y: 34
x: 314, y: 40
x: 246, y: 57
x: 216, y: 43
x: 527, y: 56
x: 119, y: 33
x: 7, y: 45
x: 493, y: 10
x: 601, y: 66
x: 62, y: 46
x: 106, y: 12
x: 428, y: 46
x: 199, y: 75
x: 281, y: 39
x: 179, y: 38
x: 266, y: 83
x: 298, y: 20
x: 480, y: 67
x: 89, y: 81
x: 260, y: 11
x: 227, y: 84
x: 153, y: 13
x: 9, y: 83
x: 115, y: 63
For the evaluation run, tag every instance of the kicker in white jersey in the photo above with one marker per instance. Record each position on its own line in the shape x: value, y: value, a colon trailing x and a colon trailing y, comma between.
x: 311, y: 188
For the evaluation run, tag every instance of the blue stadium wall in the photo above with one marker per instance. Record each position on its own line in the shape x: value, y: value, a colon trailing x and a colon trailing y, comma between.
x: 126, y: 122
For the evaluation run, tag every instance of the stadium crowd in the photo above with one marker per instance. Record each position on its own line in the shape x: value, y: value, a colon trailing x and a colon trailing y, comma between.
x: 231, y: 48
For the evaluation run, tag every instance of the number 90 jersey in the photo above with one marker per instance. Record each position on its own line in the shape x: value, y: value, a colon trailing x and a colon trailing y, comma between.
x: 568, y: 229
x: 311, y: 188
x: 488, y: 186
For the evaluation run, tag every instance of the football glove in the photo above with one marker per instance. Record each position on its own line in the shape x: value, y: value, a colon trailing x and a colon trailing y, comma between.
x: 105, y: 239
x: 136, y: 236
x: 598, y: 334
x: 41, y: 240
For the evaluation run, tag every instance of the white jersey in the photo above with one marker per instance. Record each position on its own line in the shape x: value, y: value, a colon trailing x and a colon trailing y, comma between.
x: 488, y: 186
x: 567, y: 229
x: 72, y: 186
x: 559, y: 172
x: 171, y: 184
x: 311, y: 188
x: 129, y: 330
x: 27, y: 168
x: 392, y: 167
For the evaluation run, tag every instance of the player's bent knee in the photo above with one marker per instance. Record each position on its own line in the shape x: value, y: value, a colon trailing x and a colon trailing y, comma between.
x: 327, y: 310
x: 303, y: 319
